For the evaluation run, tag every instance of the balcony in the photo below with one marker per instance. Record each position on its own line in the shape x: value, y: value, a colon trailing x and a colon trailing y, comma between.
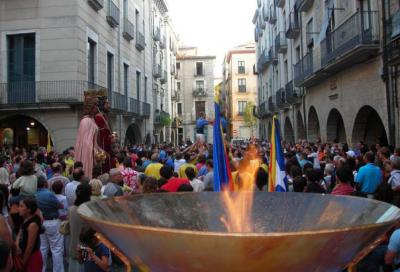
x: 241, y: 70
x: 112, y: 14
x: 242, y: 88
x: 157, y: 70
x: 96, y: 4
x: 119, y: 102
x: 272, y: 14
x: 140, y: 43
x: 293, y: 26
x: 144, y: 109
x: 259, y: 3
x: 255, y: 71
x: 156, y: 34
x: 173, y: 69
x: 44, y: 93
x: 263, y: 61
x: 292, y: 97
x: 164, y: 77
x: 280, y: 3
x: 176, y: 96
x: 256, y: 34
x: 262, y: 110
x: 161, y: 118
x: 199, y: 92
x: 265, y: 13
x: 393, y: 44
x: 273, y: 56
x: 163, y: 42
x: 305, y: 5
x: 271, y: 106
x: 261, y: 23
x: 281, y: 43
x: 280, y: 98
x: 129, y: 30
x: 134, y: 106
x: 303, y: 69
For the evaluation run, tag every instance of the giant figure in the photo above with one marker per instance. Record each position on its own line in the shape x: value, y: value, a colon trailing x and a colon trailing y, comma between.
x: 105, y: 136
x: 87, y: 149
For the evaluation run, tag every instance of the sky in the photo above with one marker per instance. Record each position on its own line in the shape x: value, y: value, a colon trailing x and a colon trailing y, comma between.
x: 214, y: 26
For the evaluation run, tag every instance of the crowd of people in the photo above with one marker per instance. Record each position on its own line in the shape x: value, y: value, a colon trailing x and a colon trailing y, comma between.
x: 40, y: 192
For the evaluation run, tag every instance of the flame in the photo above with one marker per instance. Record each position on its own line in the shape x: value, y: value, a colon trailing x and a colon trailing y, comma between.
x: 238, y: 205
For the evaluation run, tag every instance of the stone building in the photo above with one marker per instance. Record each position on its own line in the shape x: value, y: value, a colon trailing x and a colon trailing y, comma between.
x: 319, y: 66
x: 52, y: 51
x: 195, y: 86
x: 240, y: 87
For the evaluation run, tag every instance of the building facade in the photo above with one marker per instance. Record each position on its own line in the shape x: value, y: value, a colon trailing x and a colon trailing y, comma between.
x: 51, y: 53
x: 319, y: 66
x: 240, y: 87
x: 195, y: 88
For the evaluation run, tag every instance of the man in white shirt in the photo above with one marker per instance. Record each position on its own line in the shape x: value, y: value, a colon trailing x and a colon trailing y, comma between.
x: 70, y: 188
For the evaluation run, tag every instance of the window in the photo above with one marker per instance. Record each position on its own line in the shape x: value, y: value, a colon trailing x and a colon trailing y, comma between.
x: 298, y: 56
x: 310, y: 33
x: 91, y: 55
x: 145, y: 89
x: 125, y: 8
x: 110, y: 71
x: 137, y: 20
x: 138, y: 85
x: 200, y: 107
x: 179, y: 109
x: 178, y: 86
x: 126, y: 80
x: 178, y: 66
x: 286, y: 71
x: 242, y: 85
x: 242, y: 107
x: 21, y: 57
x: 241, y: 67
x: 199, y: 84
x: 199, y: 69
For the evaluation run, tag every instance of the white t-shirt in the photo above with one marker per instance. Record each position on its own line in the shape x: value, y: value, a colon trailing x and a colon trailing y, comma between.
x: 198, y: 185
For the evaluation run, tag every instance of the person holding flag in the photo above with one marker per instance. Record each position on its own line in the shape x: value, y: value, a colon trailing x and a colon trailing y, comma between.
x: 277, y: 180
x: 222, y: 172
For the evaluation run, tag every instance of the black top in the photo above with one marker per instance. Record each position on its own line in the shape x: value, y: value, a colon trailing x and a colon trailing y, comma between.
x: 23, y: 242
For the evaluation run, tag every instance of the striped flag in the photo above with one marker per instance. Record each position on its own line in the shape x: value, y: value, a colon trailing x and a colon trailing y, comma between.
x: 277, y: 181
x: 222, y: 172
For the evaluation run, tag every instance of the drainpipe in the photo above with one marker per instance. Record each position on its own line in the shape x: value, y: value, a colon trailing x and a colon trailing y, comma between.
x: 385, y: 77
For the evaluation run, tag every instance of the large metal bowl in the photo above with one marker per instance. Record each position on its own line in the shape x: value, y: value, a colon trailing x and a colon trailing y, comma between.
x: 292, y: 231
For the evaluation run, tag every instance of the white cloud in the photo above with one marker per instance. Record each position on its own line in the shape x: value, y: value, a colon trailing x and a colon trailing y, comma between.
x: 214, y: 26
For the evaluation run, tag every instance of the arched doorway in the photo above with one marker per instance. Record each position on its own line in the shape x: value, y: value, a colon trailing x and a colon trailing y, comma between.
x: 368, y: 127
x: 269, y: 131
x: 24, y: 131
x: 335, y: 130
x: 289, y: 132
x: 313, y: 125
x: 301, y: 132
x: 133, y: 135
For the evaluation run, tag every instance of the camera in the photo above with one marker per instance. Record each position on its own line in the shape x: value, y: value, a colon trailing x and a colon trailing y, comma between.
x: 84, y: 253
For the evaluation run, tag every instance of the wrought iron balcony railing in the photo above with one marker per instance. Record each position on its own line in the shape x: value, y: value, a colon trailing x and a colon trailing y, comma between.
x: 361, y: 29
x: 305, y: 5
x: 281, y: 42
x: 134, y: 106
x: 303, y: 69
x: 272, y: 14
x: 157, y: 70
x: 163, y: 42
x: 199, y: 92
x: 129, y: 30
x: 96, y: 4
x: 280, y: 3
x: 293, y: 26
x: 140, y: 42
x: 242, y: 88
x: 119, y: 102
x: 156, y: 34
x: 160, y: 118
x: 241, y: 70
x: 45, y: 92
x: 164, y: 77
x: 145, y: 109
x: 263, y: 61
x: 112, y: 14
x: 291, y: 95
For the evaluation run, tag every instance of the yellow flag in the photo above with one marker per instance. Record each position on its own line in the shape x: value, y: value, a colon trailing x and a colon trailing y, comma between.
x: 49, y: 148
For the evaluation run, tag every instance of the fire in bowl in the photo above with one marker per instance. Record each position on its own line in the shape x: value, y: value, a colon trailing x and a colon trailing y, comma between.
x: 290, y: 231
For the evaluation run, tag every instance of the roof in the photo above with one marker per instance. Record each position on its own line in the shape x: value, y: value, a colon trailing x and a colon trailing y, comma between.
x: 194, y: 57
x: 249, y: 48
